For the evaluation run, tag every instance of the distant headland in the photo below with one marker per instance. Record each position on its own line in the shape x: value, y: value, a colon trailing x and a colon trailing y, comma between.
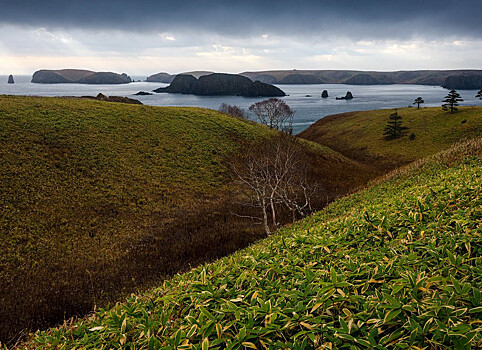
x: 221, y: 84
x: 78, y: 76
x: 450, y: 79
x: 470, y: 79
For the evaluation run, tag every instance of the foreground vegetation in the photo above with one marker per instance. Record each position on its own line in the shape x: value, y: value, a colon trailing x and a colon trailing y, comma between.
x: 99, y: 199
x: 397, y: 265
x: 359, y: 135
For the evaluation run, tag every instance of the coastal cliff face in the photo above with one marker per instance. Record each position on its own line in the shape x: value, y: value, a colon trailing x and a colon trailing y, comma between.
x: 221, y: 84
x: 78, y: 76
x: 366, y: 79
x: 463, y: 82
x: 351, y: 77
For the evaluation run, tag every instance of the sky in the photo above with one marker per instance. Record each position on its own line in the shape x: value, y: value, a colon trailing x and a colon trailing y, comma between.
x: 151, y: 36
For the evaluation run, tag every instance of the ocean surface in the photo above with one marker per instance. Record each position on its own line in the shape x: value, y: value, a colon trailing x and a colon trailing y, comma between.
x: 304, y: 99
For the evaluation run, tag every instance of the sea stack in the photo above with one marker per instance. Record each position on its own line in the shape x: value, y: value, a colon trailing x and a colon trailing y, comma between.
x: 10, y: 79
x: 324, y: 94
x: 348, y: 96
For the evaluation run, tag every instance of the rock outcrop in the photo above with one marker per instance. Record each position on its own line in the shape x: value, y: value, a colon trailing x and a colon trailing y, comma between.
x: 221, y: 84
x: 463, y: 82
x: 348, y: 96
x: 324, y: 94
x: 10, y: 79
x: 119, y: 99
x: 143, y: 93
x: 78, y: 76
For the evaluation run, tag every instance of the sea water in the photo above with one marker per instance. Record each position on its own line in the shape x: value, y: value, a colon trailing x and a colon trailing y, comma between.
x: 304, y: 99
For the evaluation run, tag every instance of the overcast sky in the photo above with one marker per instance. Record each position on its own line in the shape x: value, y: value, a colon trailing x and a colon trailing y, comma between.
x: 146, y: 37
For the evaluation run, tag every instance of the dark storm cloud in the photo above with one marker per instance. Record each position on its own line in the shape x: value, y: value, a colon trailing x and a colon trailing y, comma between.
x: 357, y: 19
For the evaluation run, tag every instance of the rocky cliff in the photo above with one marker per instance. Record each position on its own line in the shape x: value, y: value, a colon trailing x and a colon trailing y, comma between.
x: 78, y: 76
x: 422, y: 77
x: 221, y: 84
x: 463, y: 82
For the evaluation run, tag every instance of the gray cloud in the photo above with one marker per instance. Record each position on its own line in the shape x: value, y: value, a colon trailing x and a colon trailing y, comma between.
x: 355, y: 19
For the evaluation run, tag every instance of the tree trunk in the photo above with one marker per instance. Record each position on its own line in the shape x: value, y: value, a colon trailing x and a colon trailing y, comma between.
x: 265, y: 217
x: 273, y: 210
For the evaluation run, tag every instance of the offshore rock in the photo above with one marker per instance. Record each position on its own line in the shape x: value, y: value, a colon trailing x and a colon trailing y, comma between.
x: 348, y: 96
x: 10, y: 79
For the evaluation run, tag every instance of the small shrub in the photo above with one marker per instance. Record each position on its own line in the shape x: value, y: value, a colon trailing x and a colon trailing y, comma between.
x: 233, y: 111
x: 412, y: 136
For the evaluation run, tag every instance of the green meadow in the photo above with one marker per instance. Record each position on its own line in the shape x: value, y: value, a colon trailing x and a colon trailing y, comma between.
x: 394, y: 266
x: 359, y: 135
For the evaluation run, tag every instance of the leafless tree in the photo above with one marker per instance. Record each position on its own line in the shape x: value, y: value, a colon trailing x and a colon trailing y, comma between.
x: 234, y: 111
x: 275, y: 173
x: 274, y: 113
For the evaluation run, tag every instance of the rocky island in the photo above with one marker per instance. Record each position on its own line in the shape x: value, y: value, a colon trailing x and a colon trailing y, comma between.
x: 218, y: 84
x: 10, y: 79
x: 78, y: 76
x: 167, y: 78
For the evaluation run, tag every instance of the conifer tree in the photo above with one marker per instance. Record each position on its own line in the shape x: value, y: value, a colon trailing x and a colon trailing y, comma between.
x: 452, y: 101
x: 418, y: 101
x: 394, y: 128
x: 479, y: 94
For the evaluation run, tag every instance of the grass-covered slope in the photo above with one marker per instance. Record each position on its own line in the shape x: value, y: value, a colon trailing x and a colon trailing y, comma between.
x: 359, y: 135
x: 397, y: 265
x: 87, y: 190
x: 99, y: 199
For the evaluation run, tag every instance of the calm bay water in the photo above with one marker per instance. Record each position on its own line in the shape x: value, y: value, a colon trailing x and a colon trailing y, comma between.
x: 304, y: 99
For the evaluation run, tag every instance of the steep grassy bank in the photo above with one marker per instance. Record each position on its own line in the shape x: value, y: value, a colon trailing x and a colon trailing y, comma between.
x: 99, y: 199
x: 359, y: 135
x: 397, y: 265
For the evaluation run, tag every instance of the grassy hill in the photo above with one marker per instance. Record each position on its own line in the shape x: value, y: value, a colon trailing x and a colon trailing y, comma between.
x: 397, y: 265
x: 100, y: 199
x: 359, y: 135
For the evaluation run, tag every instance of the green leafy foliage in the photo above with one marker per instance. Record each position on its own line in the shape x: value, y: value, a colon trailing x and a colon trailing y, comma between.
x: 372, y: 270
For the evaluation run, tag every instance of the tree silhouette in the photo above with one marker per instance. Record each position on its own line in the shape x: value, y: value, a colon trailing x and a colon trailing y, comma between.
x: 418, y: 101
x: 234, y: 111
x: 394, y: 128
x: 452, y: 101
x: 274, y: 113
x: 479, y: 94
